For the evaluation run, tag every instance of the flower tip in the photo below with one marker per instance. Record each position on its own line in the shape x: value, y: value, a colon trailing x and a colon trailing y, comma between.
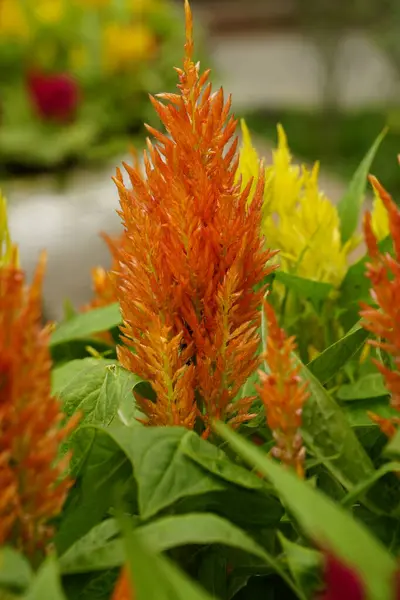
x: 189, y: 30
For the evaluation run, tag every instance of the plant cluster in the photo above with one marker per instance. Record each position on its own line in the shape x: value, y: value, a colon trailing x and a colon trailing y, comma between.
x: 222, y: 421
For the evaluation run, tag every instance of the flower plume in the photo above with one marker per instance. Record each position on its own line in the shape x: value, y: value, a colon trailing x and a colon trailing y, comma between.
x: 194, y: 261
x: 283, y: 394
x: 33, y: 479
x: 383, y: 320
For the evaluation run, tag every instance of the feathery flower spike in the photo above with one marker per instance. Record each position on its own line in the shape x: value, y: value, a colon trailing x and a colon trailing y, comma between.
x: 383, y: 271
x: 283, y: 394
x: 33, y: 479
x: 192, y: 260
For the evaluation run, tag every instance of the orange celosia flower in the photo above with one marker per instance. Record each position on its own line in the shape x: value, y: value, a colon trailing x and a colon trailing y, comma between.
x: 283, y: 394
x: 32, y: 478
x: 383, y: 271
x: 192, y: 260
x: 123, y: 588
x: 103, y: 288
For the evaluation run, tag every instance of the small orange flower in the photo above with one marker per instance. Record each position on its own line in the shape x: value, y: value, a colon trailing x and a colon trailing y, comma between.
x: 123, y: 588
x: 283, y: 394
x: 33, y: 479
x: 193, y: 259
x: 383, y: 321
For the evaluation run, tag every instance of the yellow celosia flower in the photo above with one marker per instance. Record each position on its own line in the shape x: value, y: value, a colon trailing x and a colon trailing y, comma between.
x: 124, y: 44
x: 249, y: 162
x: 13, y: 21
x: 298, y: 219
x: 379, y: 218
x: 308, y: 236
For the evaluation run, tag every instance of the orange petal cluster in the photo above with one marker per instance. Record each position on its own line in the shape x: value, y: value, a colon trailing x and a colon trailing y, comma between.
x: 33, y: 482
x: 193, y: 259
x: 283, y: 394
x: 383, y: 320
x: 123, y: 589
x: 103, y: 289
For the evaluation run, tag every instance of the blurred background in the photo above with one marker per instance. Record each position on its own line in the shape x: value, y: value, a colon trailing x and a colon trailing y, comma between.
x: 74, y: 78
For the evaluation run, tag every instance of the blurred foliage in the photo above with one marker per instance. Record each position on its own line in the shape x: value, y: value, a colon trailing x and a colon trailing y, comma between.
x: 108, y: 55
x: 339, y: 143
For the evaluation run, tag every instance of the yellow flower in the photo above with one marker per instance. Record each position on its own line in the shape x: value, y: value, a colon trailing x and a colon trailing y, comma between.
x: 309, y: 236
x: 124, y: 44
x: 13, y: 21
x: 249, y: 162
x: 379, y: 218
x: 298, y: 219
x: 49, y: 11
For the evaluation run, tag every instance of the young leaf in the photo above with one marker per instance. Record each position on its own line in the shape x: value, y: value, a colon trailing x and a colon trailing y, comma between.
x: 314, y: 291
x: 327, y: 364
x: 369, y: 386
x: 360, y: 489
x: 96, y: 387
x: 350, y: 205
x: 46, y: 583
x: 87, y: 324
x: 323, y: 520
x: 162, y: 471
x: 15, y: 571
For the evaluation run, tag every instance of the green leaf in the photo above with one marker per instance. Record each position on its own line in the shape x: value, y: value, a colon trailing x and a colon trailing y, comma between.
x: 356, y: 413
x: 304, y: 564
x: 103, y: 468
x: 355, y: 286
x: 369, y: 386
x: 360, y: 489
x: 393, y: 447
x: 96, y: 387
x: 162, y: 471
x: 327, y: 364
x: 328, y: 435
x: 156, y: 578
x: 87, y: 324
x: 46, y: 583
x: 323, y: 520
x: 96, y: 552
x: 215, y: 461
x: 350, y: 205
x: 15, y: 571
x: 314, y: 291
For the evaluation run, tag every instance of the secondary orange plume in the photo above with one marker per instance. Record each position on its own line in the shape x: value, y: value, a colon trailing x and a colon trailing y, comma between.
x: 383, y: 320
x: 33, y: 479
x: 283, y: 394
x: 193, y: 259
x: 123, y: 589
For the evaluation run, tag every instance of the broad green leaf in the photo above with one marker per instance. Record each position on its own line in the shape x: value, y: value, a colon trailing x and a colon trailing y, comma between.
x: 161, y: 535
x: 304, y: 564
x: 393, y: 447
x: 162, y: 471
x: 355, y: 286
x: 350, y: 205
x: 327, y: 364
x: 328, y: 435
x: 314, y: 291
x: 360, y: 489
x: 155, y: 577
x: 96, y: 387
x: 104, y: 467
x: 87, y: 324
x: 369, y: 386
x: 323, y: 520
x: 46, y: 583
x: 215, y: 461
x: 15, y: 571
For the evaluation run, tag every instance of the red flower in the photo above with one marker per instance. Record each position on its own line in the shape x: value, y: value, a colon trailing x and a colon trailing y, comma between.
x: 54, y: 97
x: 341, y: 582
